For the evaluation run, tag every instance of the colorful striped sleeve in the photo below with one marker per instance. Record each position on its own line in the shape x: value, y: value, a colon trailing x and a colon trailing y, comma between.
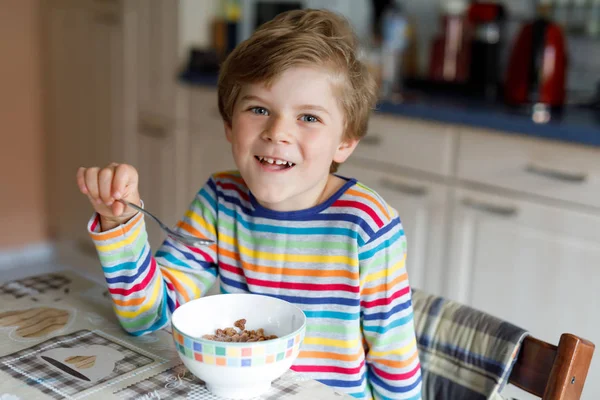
x: 146, y: 289
x: 387, y: 315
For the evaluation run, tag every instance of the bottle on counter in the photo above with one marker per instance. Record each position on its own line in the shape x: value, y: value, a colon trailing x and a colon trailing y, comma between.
x: 450, y: 51
x: 393, y: 42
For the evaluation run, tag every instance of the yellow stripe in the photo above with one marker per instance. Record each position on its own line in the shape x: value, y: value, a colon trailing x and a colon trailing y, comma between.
x: 409, y: 348
x: 200, y: 221
x: 183, y: 278
x: 145, y: 307
x: 126, y: 241
x: 261, y: 255
x: 384, y: 273
x: 319, y: 341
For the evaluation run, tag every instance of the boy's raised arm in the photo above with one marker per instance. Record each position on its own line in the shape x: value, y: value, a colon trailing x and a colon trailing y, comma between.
x: 146, y: 289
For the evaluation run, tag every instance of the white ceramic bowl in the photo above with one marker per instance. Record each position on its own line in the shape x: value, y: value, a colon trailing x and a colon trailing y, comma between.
x: 238, y: 370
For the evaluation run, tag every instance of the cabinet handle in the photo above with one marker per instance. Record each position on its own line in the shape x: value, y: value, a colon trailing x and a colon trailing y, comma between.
x: 154, y: 131
x: 411, y: 190
x: 572, y: 177
x: 504, y: 211
x: 371, y: 140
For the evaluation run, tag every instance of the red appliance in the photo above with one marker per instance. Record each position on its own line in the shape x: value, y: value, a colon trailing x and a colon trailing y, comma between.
x: 537, y: 66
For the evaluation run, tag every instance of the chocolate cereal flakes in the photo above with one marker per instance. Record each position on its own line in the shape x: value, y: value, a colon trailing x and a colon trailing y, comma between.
x: 231, y: 334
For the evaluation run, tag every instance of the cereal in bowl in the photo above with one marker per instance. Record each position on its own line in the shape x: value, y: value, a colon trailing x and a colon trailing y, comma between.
x: 230, y: 334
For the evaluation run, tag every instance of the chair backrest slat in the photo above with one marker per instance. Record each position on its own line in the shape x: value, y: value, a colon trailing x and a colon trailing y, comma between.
x: 551, y: 372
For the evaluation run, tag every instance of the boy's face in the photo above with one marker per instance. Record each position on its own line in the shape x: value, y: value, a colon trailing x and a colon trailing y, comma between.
x: 285, y: 137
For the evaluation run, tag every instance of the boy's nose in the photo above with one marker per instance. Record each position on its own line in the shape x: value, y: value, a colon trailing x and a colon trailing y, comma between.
x: 278, y: 131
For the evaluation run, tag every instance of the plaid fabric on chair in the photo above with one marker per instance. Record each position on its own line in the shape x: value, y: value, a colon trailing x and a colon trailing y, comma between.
x: 465, y: 354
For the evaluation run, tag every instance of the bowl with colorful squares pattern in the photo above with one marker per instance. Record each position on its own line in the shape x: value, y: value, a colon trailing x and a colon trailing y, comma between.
x: 234, y: 369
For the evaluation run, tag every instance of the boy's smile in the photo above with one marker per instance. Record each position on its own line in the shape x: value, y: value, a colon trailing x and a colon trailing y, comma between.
x: 285, y: 136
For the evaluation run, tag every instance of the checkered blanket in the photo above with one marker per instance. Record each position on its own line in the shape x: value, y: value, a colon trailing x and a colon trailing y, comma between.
x: 465, y: 354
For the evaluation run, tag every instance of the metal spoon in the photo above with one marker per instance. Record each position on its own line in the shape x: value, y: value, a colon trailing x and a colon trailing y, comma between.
x: 186, y: 239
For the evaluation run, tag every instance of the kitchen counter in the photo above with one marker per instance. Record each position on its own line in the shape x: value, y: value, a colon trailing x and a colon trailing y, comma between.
x: 574, y: 125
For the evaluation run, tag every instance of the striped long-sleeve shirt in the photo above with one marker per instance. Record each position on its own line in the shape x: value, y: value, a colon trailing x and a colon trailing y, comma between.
x: 342, y: 262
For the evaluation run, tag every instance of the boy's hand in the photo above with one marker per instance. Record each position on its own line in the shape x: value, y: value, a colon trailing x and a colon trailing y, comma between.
x: 105, y: 185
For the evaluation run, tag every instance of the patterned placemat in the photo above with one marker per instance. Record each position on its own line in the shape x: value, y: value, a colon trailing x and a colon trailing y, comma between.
x: 60, y: 380
x: 178, y: 382
x: 35, y: 285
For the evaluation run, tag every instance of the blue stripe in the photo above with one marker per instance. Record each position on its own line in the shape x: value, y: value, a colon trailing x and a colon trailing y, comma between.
x: 130, y: 279
x: 388, y: 243
x: 287, y: 230
x: 172, y: 258
x: 376, y: 380
x: 126, y: 266
x: 388, y: 227
x: 333, y: 315
x: 394, y: 324
x: 389, y: 313
x: 355, y: 219
x: 415, y: 397
x: 208, y: 199
x: 341, y: 383
x: 233, y: 283
x: 161, y: 322
x: 317, y: 300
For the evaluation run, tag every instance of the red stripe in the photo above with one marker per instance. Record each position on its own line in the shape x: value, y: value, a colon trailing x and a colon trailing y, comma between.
x: 396, y: 377
x: 360, y: 206
x: 386, y: 300
x: 170, y: 287
x: 291, y: 285
x: 234, y: 187
x: 204, y: 255
x: 140, y: 286
x: 330, y: 369
x: 95, y: 224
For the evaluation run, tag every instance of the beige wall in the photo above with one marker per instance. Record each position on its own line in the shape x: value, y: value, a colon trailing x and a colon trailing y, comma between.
x: 22, y: 196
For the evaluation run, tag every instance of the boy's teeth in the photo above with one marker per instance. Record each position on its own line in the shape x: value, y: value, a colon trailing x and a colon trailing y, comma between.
x: 276, y: 162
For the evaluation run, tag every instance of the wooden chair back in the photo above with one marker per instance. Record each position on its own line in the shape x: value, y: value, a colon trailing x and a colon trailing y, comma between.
x: 553, y: 372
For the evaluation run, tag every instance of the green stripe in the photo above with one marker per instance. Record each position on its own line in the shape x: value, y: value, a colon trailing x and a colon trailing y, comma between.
x: 301, y: 244
x: 382, y: 259
x: 393, y: 339
x: 136, y: 248
x: 137, y: 322
x: 208, y: 217
x: 333, y: 329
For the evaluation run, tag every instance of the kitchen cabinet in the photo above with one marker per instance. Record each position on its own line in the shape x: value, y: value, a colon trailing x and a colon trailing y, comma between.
x: 84, y: 69
x: 533, y: 264
x: 209, y: 150
x: 156, y: 53
x: 422, y: 207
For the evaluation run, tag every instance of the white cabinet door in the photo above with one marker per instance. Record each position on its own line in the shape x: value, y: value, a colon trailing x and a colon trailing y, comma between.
x: 422, y: 207
x: 157, y: 59
x: 83, y: 72
x: 209, y: 150
x: 160, y: 182
x: 531, y: 264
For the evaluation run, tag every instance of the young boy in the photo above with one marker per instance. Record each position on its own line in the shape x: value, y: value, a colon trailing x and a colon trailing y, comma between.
x: 295, y: 102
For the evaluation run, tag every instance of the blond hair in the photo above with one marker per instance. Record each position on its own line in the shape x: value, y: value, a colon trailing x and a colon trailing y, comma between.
x: 299, y: 38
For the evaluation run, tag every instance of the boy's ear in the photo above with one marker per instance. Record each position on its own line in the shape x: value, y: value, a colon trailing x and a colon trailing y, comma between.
x: 344, y: 150
x: 228, y: 132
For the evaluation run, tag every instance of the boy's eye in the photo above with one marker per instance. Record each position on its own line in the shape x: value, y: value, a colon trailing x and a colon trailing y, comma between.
x: 309, y: 118
x: 259, y: 110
